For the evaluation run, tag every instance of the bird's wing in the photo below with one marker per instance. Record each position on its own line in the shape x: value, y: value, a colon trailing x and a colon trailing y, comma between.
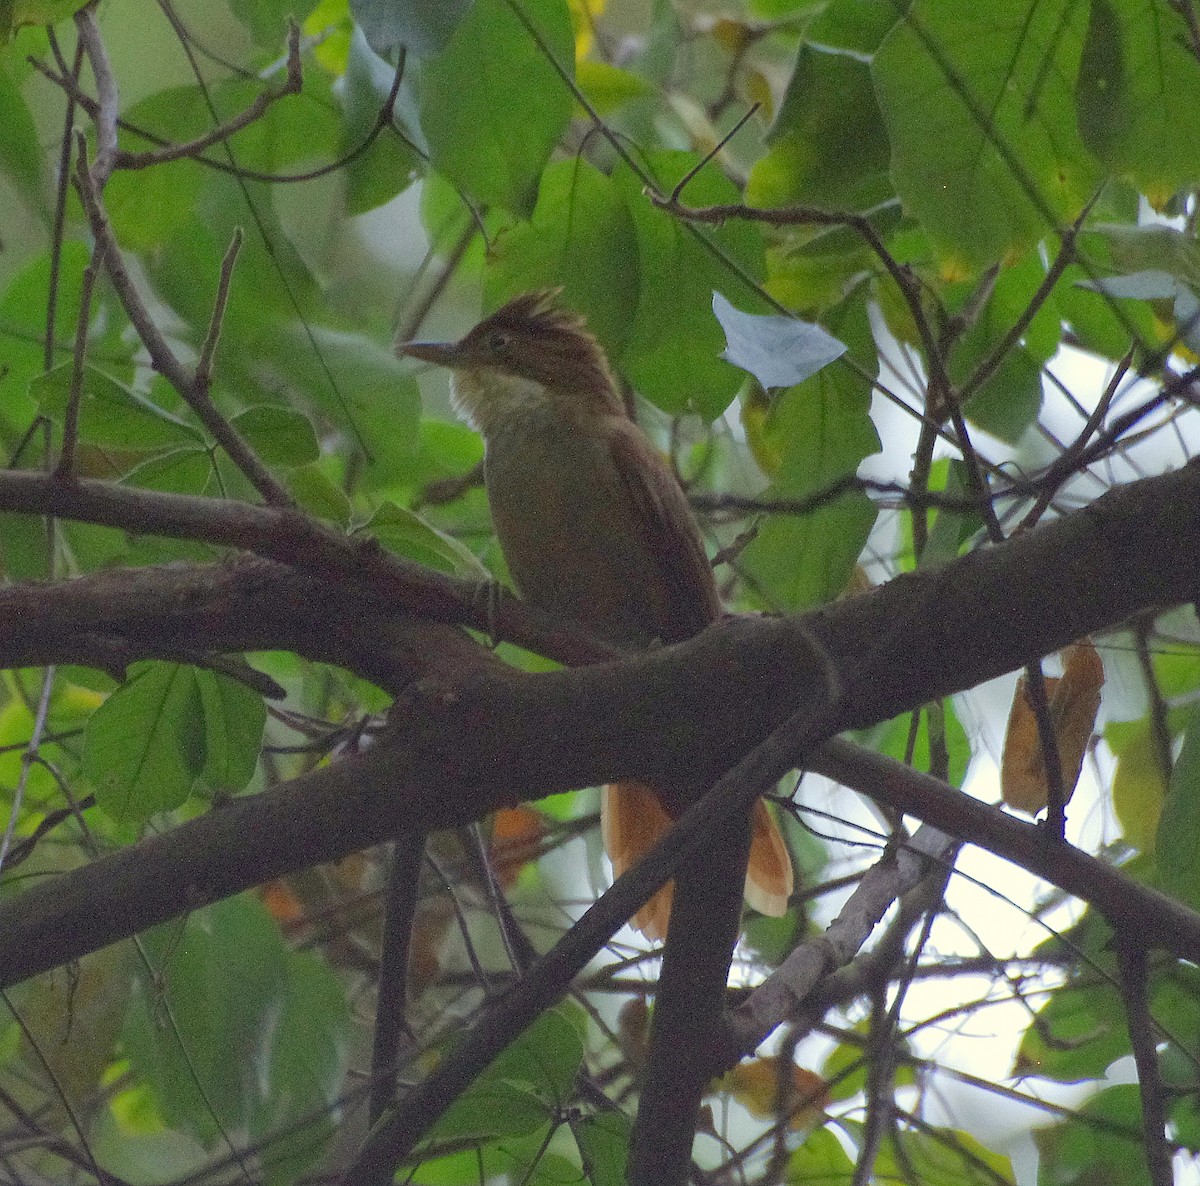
x: 682, y: 581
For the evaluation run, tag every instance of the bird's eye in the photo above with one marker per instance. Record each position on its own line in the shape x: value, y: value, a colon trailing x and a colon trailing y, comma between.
x: 497, y: 342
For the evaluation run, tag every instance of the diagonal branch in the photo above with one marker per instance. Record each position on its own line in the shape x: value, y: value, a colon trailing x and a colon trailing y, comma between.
x: 470, y: 734
x: 165, y: 360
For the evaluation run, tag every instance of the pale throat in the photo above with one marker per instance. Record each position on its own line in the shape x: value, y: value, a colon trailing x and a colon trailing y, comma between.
x: 487, y: 398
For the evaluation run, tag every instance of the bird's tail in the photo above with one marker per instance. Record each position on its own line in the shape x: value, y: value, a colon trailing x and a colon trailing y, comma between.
x: 633, y: 820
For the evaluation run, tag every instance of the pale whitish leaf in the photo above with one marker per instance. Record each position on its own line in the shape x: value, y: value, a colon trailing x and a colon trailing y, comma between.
x: 1150, y: 285
x: 422, y: 26
x: 777, y: 351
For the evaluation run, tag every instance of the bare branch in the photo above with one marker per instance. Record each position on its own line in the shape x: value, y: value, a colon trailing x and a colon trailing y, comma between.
x: 165, y: 361
x: 292, y: 85
x: 784, y: 994
x: 209, y: 349
x: 66, y: 461
x: 106, y: 94
x: 1131, y: 953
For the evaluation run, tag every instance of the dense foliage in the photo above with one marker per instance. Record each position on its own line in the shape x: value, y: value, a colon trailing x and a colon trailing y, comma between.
x: 892, y: 282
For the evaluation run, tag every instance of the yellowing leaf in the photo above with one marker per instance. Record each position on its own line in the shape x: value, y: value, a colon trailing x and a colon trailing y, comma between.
x: 1139, y: 784
x: 755, y: 1084
x: 756, y: 419
x: 1074, y: 700
x: 331, y: 25
x: 583, y: 21
x: 516, y: 832
x: 633, y: 1029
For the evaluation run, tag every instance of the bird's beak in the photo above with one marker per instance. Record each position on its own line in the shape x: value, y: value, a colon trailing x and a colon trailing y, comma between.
x: 445, y: 354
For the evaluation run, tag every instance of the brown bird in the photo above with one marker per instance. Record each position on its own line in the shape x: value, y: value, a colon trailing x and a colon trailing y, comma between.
x: 595, y: 528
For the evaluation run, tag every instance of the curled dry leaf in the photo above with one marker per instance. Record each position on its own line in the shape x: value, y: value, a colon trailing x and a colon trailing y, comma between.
x: 517, y: 833
x: 1074, y: 701
x: 756, y: 1085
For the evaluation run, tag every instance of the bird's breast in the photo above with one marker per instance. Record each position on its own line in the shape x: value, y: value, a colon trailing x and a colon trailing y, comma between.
x: 568, y: 528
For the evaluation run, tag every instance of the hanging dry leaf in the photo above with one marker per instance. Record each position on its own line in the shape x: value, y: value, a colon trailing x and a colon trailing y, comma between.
x: 1074, y: 700
x: 516, y: 834
x: 755, y: 1084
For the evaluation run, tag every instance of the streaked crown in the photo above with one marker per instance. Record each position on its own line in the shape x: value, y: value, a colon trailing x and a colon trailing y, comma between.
x: 532, y: 339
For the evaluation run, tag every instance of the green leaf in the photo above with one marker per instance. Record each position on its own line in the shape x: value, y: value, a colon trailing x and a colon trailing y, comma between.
x: 608, y: 87
x: 1009, y: 402
x: 110, y: 413
x: 491, y: 107
x: 15, y: 13
x: 1138, y: 784
x: 827, y: 145
x: 388, y: 166
x: 849, y: 25
x: 310, y: 1049
x: 673, y: 356
x: 1091, y: 1149
x: 24, y: 548
x: 979, y: 108
x: 23, y: 327
x: 798, y: 561
x: 1178, y: 847
x: 1079, y: 1033
x: 603, y: 1142
x: 267, y: 19
x: 404, y: 532
x: 489, y: 1109
x: 524, y: 1086
x: 1132, y: 249
x: 144, y: 746
x: 312, y: 488
x: 150, y: 206
x: 234, y: 717
x: 229, y: 984
x: 547, y: 1057
x: 20, y: 153
x: 280, y: 436
x: 580, y: 237
x: 820, y: 1161
x: 1137, y: 90
x: 182, y: 471
x: 1104, y: 326
x: 940, y: 1157
x: 444, y: 449
x: 369, y: 386
x: 948, y: 734
x: 777, y: 351
x: 950, y: 530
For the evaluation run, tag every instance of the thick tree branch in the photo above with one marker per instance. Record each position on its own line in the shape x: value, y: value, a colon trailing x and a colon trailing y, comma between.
x: 691, y: 837
x: 471, y: 734
x: 291, y: 537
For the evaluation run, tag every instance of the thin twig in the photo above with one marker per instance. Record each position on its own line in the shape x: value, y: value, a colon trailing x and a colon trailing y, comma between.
x: 66, y: 459
x: 62, y: 184
x: 1131, y: 954
x: 1065, y: 464
x: 108, y: 102
x: 265, y: 236
x: 1039, y: 702
x: 713, y: 152
x: 27, y: 760
x: 399, y: 911
x: 550, y: 977
x: 164, y: 359
x: 1066, y: 254
x: 383, y: 117
x: 209, y: 349
x: 292, y: 85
